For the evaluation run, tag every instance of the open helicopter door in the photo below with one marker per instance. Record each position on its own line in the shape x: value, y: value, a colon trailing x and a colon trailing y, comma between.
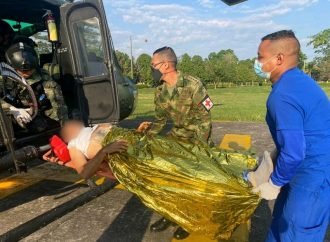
x: 89, y: 43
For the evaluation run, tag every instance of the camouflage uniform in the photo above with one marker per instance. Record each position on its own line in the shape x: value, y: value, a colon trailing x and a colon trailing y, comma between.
x: 184, y: 106
x: 5, y: 106
x: 56, y: 110
x: 6, y: 87
x: 48, y: 93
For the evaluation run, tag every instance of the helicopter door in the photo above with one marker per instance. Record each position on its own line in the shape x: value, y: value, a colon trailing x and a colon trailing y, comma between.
x: 89, y: 40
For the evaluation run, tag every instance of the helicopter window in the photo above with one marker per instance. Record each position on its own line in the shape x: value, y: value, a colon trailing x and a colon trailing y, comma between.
x: 43, y: 45
x: 91, y: 49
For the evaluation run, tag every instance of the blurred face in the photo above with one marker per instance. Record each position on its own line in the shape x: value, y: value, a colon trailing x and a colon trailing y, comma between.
x: 71, y: 130
x: 26, y: 73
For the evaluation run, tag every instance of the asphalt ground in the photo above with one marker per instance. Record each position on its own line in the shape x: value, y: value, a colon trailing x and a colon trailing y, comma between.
x: 51, y: 203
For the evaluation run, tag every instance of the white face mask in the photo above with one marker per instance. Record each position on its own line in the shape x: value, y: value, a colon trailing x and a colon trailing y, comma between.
x: 258, y: 68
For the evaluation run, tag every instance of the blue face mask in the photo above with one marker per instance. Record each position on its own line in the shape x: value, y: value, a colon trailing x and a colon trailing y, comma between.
x: 258, y: 69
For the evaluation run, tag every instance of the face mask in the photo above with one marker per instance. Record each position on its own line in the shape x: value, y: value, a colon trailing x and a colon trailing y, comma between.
x: 156, y: 76
x: 258, y: 69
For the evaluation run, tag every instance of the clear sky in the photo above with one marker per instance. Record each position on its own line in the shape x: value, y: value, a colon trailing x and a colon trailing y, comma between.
x: 198, y: 27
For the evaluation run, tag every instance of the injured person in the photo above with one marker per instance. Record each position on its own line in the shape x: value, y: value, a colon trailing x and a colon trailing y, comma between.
x: 204, y: 190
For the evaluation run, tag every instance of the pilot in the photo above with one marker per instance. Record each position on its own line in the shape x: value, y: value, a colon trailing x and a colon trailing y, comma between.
x: 52, y: 109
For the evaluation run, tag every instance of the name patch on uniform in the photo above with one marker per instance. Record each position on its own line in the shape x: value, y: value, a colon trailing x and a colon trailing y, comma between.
x: 207, y: 103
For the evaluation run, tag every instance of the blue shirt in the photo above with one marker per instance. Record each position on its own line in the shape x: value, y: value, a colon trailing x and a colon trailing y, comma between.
x: 298, y: 116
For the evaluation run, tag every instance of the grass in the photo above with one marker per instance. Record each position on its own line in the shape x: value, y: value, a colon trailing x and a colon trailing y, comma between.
x: 231, y: 104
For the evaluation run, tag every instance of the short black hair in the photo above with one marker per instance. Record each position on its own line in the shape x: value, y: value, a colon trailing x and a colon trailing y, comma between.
x: 282, y: 34
x: 167, y: 53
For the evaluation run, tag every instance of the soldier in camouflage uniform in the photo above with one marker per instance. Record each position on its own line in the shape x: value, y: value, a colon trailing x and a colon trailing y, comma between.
x: 56, y: 108
x: 185, y: 106
x: 51, y: 106
x: 182, y: 99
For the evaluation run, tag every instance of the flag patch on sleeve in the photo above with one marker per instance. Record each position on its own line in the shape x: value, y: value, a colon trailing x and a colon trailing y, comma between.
x: 207, y: 103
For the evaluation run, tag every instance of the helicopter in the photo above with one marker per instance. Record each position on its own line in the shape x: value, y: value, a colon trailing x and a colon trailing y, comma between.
x: 82, y: 61
x: 86, y: 68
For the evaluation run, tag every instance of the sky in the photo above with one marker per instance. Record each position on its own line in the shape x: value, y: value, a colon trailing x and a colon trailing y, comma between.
x: 198, y: 27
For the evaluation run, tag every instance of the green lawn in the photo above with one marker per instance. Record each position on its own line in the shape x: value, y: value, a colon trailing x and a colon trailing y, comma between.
x: 231, y: 104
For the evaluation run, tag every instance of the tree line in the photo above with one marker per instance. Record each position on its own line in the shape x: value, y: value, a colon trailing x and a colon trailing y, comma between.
x: 319, y: 68
x: 224, y: 68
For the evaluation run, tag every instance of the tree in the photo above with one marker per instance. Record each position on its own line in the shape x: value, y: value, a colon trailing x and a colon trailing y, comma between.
x: 215, y: 71
x: 323, y: 68
x: 228, y: 56
x: 321, y: 45
x: 198, y: 67
x: 221, y: 67
x: 245, y: 72
x: 185, y: 64
x: 212, y: 56
x: 224, y: 55
x: 302, y: 61
x: 144, y: 70
x: 124, y: 62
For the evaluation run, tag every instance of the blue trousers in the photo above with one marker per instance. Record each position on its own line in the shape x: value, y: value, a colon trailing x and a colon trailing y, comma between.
x: 302, y: 209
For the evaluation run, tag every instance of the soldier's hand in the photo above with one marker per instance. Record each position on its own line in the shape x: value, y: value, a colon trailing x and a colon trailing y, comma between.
x: 144, y: 127
x: 116, y: 147
x: 21, y: 115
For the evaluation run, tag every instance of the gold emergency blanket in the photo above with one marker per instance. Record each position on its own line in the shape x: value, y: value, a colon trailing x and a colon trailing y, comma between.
x: 199, y: 188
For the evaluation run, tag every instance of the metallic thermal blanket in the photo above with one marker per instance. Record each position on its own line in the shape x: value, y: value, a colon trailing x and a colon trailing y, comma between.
x: 199, y: 188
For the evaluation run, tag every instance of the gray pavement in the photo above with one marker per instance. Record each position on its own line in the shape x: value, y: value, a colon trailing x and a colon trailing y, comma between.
x: 114, y: 216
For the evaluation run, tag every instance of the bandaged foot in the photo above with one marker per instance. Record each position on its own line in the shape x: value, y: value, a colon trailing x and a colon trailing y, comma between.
x: 262, y: 173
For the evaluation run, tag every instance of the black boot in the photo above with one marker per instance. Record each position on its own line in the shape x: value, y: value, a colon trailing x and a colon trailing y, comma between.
x: 180, y: 234
x: 161, y: 225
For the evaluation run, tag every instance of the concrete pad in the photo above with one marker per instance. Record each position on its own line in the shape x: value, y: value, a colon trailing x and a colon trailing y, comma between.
x: 16, y: 183
x: 236, y: 142
x: 46, y: 171
x: 116, y: 216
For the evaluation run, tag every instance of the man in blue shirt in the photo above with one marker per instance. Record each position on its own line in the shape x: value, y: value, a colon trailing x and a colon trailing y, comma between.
x: 298, y: 116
